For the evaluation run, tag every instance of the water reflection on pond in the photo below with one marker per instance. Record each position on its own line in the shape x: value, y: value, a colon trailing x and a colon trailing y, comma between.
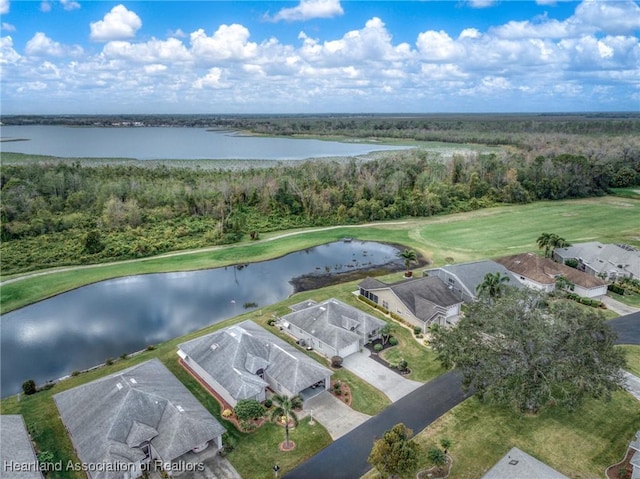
x: 84, y: 327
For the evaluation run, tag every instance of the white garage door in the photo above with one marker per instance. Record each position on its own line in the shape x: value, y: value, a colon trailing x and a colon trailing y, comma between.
x: 347, y: 350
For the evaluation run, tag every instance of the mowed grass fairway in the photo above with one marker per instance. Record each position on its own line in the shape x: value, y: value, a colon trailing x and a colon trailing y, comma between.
x: 464, y: 237
x: 508, y: 230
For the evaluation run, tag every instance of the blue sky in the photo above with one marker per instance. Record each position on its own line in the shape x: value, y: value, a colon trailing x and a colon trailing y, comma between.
x: 318, y: 56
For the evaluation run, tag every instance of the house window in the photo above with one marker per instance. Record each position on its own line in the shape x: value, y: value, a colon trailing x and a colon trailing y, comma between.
x: 385, y: 304
x: 450, y: 280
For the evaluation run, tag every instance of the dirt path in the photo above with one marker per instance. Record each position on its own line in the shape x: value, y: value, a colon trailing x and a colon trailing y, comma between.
x: 188, y: 252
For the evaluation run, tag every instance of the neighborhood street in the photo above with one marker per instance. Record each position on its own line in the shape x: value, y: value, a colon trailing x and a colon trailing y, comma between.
x: 627, y: 327
x: 347, y: 457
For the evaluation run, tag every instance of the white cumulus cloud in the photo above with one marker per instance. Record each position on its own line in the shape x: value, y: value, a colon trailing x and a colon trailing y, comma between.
x: 41, y: 45
x: 8, y: 27
x: 308, y: 9
x: 614, y: 17
x: 171, y: 50
x: 228, y: 42
x: 118, y: 24
x: 7, y: 52
x: 210, y: 80
x: 4, y: 7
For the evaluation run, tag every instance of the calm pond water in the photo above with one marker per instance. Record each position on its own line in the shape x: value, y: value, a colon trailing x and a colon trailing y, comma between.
x: 157, y: 143
x: 84, y: 327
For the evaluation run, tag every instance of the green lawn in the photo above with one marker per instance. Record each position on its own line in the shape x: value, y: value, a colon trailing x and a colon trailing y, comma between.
x: 466, y: 236
x: 632, y: 299
x: 579, y: 444
x: 633, y: 358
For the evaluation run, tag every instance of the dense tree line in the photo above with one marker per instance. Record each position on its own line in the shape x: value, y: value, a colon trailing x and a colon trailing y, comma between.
x: 64, y: 212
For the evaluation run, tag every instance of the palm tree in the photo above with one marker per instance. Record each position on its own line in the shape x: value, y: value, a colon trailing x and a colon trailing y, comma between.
x: 493, y: 285
x: 550, y: 241
x: 284, y: 408
x: 543, y: 242
x: 409, y: 257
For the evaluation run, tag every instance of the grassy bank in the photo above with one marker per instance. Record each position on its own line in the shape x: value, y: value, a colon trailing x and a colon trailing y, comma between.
x: 466, y: 236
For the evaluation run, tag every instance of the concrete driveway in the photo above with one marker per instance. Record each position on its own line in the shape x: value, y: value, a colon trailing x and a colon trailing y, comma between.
x: 333, y: 414
x: 617, y: 306
x: 379, y: 376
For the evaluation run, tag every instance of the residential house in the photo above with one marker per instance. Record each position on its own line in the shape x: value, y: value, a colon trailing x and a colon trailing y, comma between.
x: 242, y: 361
x: 332, y: 328
x: 611, y: 261
x: 421, y: 301
x: 128, y: 419
x: 518, y: 464
x: 463, y: 279
x: 541, y: 273
x: 17, y: 457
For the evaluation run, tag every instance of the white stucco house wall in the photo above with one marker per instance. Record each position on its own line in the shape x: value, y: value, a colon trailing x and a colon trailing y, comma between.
x: 420, y: 301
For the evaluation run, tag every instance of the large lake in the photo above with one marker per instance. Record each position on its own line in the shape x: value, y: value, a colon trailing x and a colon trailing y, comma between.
x: 171, y: 143
x: 82, y: 328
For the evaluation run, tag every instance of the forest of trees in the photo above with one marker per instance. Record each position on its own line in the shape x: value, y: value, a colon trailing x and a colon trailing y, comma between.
x: 59, y: 212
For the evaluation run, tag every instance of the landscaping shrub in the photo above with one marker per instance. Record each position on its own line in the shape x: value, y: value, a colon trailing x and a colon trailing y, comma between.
x: 616, y: 289
x: 417, y: 330
x: 571, y: 262
x: 229, y: 442
x: 336, y: 361
x: 248, y: 409
x: 268, y: 403
x: 271, y: 321
x: 109, y: 361
x: 29, y: 387
x: 227, y: 413
x: 248, y: 426
x: 377, y: 348
x: 393, y: 341
x: 437, y: 456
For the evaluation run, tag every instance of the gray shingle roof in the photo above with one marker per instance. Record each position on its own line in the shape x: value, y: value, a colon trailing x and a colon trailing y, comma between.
x: 518, y: 464
x: 604, y: 258
x: 107, y: 418
x: 420, y: 295
x: 241, y: 350
x: 16, y: 448
x: 335, y: 323
x: 472, y: 274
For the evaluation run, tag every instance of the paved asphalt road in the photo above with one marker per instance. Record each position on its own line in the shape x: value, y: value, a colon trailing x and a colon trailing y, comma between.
x: 347, y: 457
x: 627, y: 327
